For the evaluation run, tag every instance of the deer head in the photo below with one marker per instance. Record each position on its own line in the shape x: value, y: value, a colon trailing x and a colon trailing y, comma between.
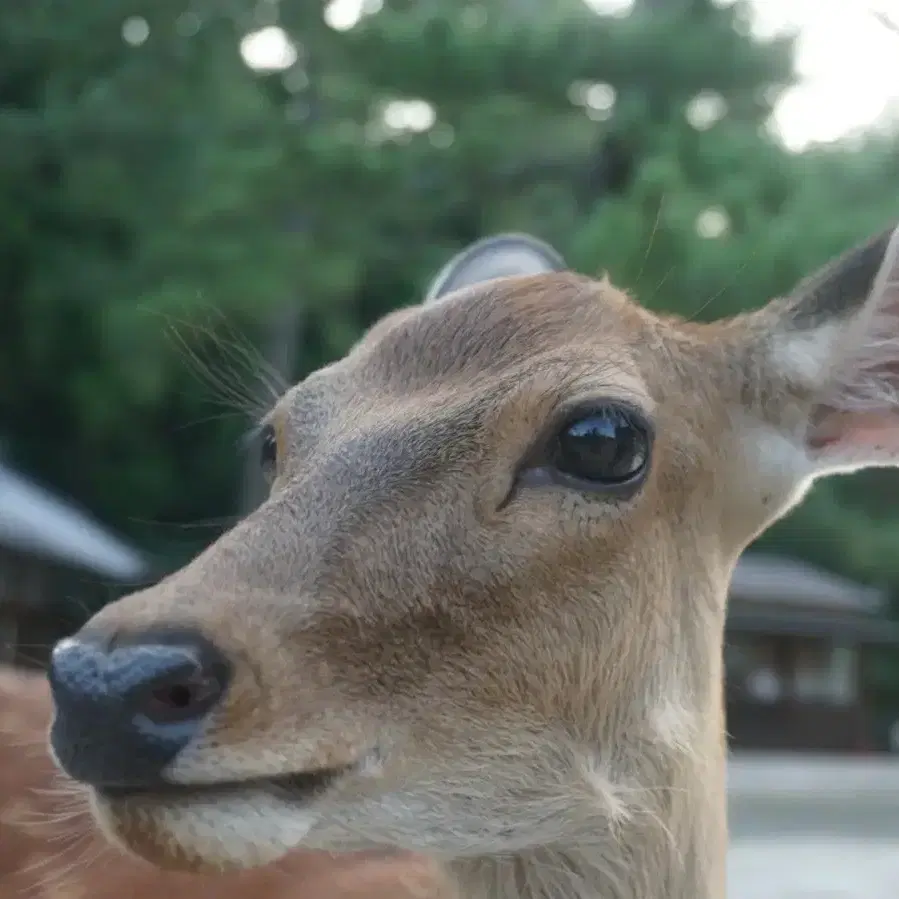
x: 480, y: 615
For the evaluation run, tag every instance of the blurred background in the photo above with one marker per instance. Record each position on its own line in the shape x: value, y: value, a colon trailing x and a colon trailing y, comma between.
x: 203, y: 200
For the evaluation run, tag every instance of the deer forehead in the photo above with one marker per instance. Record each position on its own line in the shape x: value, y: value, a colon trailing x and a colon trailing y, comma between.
x: 491, y: 325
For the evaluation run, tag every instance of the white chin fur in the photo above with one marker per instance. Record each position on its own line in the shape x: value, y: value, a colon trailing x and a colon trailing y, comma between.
x: 242, y: 830
x: 245, y: 830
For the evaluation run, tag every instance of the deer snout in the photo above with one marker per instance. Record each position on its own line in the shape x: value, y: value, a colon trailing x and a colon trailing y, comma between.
x: 125, y: 708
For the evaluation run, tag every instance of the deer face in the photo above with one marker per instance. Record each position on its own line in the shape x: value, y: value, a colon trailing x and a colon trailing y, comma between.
x: 482, y: 609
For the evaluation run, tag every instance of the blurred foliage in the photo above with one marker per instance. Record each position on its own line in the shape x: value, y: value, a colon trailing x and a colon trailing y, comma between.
x: 151, y: 181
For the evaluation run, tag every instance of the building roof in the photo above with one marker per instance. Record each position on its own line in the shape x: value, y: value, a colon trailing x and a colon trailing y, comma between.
x: 853, y: 628
x: 33, y: 520
x: 761, y: 578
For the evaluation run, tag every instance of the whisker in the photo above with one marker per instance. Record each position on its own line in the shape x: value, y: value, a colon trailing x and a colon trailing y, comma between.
x: 727, y: 286
x: 652, y: 234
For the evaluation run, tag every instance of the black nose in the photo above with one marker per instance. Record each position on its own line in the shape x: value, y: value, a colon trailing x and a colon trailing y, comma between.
x: 126, y: 708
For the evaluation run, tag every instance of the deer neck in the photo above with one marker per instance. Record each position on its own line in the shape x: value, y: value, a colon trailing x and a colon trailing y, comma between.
x: 585, y: 872
x: 680, y: 856
x: 670, y: 843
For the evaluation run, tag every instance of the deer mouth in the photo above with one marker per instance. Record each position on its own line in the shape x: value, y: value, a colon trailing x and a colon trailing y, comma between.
x: 299, y: 787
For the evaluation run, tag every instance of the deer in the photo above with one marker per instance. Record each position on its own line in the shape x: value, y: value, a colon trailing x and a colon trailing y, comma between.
x: 480, y: 614
x: 49, y: 848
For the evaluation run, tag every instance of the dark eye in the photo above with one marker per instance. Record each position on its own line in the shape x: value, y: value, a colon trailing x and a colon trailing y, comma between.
x: 606, y: 448
x: 268, y: 450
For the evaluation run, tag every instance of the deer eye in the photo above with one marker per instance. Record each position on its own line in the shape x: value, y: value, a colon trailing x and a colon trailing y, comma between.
x: 606, y: 447
x: 268, y: 450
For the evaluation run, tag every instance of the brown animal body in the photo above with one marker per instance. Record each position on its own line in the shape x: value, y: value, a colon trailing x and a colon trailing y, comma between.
x: 50, y: 847
x: 481, y: 614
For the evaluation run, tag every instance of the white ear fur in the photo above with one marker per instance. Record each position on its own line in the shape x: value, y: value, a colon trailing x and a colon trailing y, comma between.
x: 497, y: 256
x: 839, y: 344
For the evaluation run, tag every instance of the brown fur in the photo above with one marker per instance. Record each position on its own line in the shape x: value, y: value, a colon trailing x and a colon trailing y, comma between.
x: 527, y: 679
x: 50, y: 848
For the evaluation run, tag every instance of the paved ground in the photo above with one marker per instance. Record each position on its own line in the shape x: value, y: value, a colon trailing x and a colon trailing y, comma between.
x: 813, y: 868
x: 820, y: 828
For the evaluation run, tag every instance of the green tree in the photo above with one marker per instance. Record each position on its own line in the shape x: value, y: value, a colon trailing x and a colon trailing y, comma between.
x: 432, y: 123
x: 138, y: 185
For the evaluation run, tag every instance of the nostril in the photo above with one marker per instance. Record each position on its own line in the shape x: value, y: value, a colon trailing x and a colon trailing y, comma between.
x: 181, y: 696
x: 178, y: 698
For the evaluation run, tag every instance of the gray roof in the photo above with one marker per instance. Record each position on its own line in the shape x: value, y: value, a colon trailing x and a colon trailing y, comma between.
x: 33, y: 520
x: 772, y: 579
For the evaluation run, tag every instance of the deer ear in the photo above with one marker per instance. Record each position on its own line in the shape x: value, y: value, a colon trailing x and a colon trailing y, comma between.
x: 497, y: 256
x: 833, y: 346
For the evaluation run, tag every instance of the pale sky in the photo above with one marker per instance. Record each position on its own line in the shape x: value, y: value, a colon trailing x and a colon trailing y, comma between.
x: 847, y: 61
